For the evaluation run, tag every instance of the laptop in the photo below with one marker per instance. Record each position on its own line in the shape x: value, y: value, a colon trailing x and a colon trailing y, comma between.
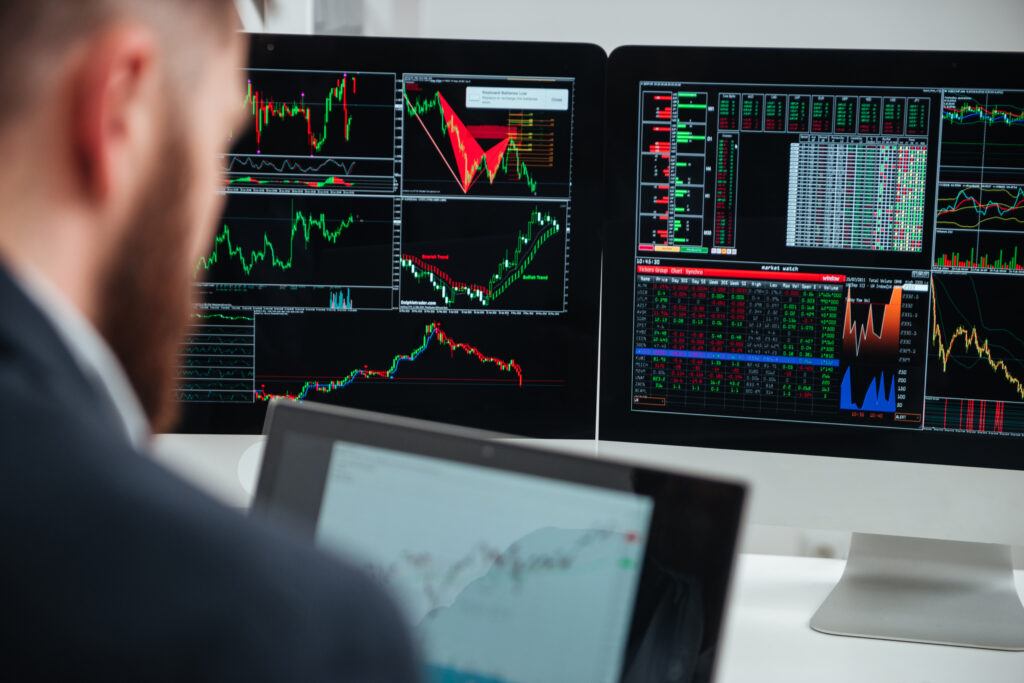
x: 511, y: 563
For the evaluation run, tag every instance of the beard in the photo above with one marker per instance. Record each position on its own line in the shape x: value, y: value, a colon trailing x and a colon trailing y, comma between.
x: 148, y: 293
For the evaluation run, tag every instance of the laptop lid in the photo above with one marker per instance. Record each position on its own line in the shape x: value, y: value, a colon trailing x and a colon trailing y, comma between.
x: 512, y: 563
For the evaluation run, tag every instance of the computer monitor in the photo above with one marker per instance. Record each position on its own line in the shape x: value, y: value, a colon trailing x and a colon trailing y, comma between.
x: 410, y: 226
x: 512, y: 563
x: 822, y: 253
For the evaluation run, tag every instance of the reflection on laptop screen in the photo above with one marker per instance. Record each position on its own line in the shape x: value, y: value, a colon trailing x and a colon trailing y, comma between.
x: 497, y: 571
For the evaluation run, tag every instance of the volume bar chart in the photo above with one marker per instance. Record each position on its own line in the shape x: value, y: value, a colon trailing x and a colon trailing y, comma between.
x: 981, y: 251
x: 975, y: 416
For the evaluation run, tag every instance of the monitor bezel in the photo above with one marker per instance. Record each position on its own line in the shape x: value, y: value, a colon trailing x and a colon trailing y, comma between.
x: 627, y: 67
x: 583, y: 62
x: 697, y: 519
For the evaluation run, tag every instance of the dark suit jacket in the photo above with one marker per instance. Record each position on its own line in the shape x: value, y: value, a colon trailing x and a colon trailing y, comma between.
x: 112, y: 569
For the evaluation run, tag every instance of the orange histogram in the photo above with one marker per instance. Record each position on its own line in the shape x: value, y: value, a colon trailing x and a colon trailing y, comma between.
x: 857, y: 338
x: 971, y: 342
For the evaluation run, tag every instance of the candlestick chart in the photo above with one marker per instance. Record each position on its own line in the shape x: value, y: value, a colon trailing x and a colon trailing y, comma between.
x: 341, y: 361
x: 451, y: 148
x: 388, y: 240
x: 314, y: 130
x: 454, y: 258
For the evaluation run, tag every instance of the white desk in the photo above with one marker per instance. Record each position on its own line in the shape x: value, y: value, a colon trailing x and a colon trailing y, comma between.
x: 767, y: 638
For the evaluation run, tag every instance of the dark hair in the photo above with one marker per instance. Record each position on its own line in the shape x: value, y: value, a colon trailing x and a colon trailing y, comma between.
x: 35, y: 34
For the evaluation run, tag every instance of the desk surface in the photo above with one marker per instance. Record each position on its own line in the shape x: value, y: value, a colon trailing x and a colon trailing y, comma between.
x: 767, y: 637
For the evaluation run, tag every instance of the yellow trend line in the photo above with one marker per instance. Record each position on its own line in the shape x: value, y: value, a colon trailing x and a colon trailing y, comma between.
x: 976, y: 223
x: 971, y: 339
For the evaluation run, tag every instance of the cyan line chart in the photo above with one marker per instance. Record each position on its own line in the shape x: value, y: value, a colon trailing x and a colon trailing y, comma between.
x: 988, y: 206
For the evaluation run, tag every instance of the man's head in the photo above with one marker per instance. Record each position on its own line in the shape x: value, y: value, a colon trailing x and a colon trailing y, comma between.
x: 115, y: 114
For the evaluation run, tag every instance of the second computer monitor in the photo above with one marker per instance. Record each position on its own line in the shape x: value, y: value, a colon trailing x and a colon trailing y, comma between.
x: 816, y: 252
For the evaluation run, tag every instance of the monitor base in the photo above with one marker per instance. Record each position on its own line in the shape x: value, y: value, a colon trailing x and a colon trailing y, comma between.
x: 926, y: 591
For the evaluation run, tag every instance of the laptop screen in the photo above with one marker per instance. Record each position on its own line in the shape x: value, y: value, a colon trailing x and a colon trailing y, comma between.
x: 511, y: 562
x: 495, y: 570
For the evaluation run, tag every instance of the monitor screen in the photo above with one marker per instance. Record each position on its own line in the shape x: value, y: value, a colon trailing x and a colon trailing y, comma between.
x: 495, y: 570
x: 822, y: 244
x: 409, y: 227
x: 494, y: 550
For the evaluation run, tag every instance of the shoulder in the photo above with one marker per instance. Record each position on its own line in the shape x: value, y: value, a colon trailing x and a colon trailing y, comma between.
x: 106, y: 543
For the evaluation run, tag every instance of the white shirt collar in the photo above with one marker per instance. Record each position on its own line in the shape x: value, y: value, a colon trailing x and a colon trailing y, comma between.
x: 90, y: 351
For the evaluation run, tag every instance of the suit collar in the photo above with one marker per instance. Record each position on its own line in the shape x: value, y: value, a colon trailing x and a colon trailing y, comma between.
x: 30, y: 340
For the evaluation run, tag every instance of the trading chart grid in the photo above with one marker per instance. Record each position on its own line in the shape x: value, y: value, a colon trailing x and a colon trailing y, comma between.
x: 386, y: 228
x: 833, y: 254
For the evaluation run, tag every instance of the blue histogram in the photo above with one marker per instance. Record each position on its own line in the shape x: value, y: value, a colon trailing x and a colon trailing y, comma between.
x: 875, y: 398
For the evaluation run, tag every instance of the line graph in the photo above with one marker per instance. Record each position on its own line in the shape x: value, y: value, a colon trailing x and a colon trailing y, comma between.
x: 329, y: 175
x: 299, y: 253
x: 263, y: 164
x: 433, y: 335
x: 968, y: 111
x: 215, y: 359
x: 454, y: 258
x: 265, y: 111
x: 983, y: 132
x: 301, y: 224
x: 441, y: 580
x: 471, y: 585
x: 867, y: 338
x: 975, y: 349
x: 971, y: 206
x: 463, y: 149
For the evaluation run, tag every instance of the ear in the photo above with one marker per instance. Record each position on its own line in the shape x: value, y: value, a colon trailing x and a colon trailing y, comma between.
x: 114, y: 91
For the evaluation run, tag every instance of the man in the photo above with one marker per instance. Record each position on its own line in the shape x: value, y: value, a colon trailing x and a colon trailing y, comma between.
x: 114, y: 114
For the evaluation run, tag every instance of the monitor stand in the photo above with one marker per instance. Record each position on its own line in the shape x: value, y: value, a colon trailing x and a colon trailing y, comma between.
x: 926, y: 591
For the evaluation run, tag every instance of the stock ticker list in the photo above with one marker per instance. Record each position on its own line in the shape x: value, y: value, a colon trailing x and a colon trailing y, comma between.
x: 824, y: 253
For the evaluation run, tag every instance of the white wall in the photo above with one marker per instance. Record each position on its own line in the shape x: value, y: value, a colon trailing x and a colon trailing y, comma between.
x: 913, y: 24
